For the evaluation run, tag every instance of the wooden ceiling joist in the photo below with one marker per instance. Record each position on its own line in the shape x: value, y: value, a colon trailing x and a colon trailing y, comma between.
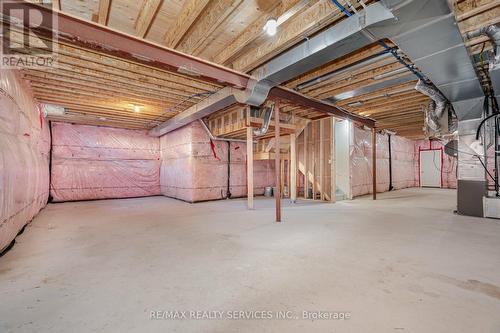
x: 311, y: 20
x: 146, y: 16
x: 217, y: 12
x: 107, y: 71
x: 103, y: 14
x: 254, y: 30
x: 190, y: 12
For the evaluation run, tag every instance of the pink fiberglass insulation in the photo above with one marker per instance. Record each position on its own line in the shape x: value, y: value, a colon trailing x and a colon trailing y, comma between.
x: 193, y: 171
x: 403, y: 170
x: 403, y: 161
x: 92, y: 162
x: 24, y: 157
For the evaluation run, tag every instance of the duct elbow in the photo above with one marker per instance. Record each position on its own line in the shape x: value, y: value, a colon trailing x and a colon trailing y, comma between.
x: 493, y: 33
x: 267, y: 120
x: 438, y: 105
x: 432, y: 92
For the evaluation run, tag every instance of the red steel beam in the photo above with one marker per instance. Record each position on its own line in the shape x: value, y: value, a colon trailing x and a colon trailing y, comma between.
x: 306, y: 101
x: 92, y: 36
x: 96, y: 37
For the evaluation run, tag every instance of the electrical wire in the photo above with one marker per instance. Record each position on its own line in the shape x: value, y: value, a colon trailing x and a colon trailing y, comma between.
x: 342, y: 8
x: 475, y: 155
x: 385, y: 46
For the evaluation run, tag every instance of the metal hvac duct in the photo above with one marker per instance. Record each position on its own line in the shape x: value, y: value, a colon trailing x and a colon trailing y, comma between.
x: 493, y: 32
x: 426, y: 31
x: 339, y: 40
x: 435, y: 95
x: 268, y: 114
x: 437, y: 107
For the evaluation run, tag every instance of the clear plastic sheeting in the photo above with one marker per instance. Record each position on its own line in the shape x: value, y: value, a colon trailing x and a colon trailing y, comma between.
x: 24, y: 157
x: 403, y: 161
x: 193, y: 170
x: 91, y: 162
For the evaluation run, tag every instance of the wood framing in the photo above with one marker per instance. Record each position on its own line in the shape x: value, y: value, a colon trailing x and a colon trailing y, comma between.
x: 374, y: 163
x: 250, y: 168
x: 112, y: 70
x: 146, y: 16
x: 321, y: 181
x: 306, y: 164
x: 103, y: 13
x: 293, y: 167
x: 190, y: 12
x: 277, y: 158
x: 333, y: 167
x: 206, y: 24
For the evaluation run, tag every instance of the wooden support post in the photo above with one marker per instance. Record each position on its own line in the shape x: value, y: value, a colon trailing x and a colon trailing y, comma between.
x: 282, y: 174
x: 374, y: 162
x: 306, y: 171
x: 250, y: 167
x: 321, y: 160
x: 313, y: 160
x: 288, y: 168
x: 277, y: 155
x: 333, y: 176
x: 293, y: 168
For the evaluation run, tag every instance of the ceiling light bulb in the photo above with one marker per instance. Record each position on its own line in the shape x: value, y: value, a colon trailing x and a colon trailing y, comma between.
x: 137, y: 108
x: 271, y: 27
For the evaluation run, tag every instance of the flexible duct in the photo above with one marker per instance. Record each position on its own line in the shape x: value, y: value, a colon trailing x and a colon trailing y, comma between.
x: 435, y: 95
x: 493, y: 32
x: 438, y: 105
x: 268, y: 113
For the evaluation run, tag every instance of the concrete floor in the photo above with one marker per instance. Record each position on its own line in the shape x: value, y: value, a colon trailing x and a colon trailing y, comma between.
x: 404, y: 263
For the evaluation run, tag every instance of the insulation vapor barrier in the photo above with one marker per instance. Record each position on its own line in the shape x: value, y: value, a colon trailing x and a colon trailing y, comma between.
x: 90, y: 162
x: 449, y: 162
x: 194, y: 168
x: 24, y: 157
x: 403, y: 162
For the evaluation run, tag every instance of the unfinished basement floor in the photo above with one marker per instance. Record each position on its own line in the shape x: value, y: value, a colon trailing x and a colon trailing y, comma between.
x: 404, y: 263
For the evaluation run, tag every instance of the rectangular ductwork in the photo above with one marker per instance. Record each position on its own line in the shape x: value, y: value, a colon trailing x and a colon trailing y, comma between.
x: 337, y: 41
x: 427, y: 32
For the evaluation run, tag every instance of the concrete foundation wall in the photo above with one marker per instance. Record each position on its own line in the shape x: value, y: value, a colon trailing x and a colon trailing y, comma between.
x: 91, y: 162
x: 24, y: 157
